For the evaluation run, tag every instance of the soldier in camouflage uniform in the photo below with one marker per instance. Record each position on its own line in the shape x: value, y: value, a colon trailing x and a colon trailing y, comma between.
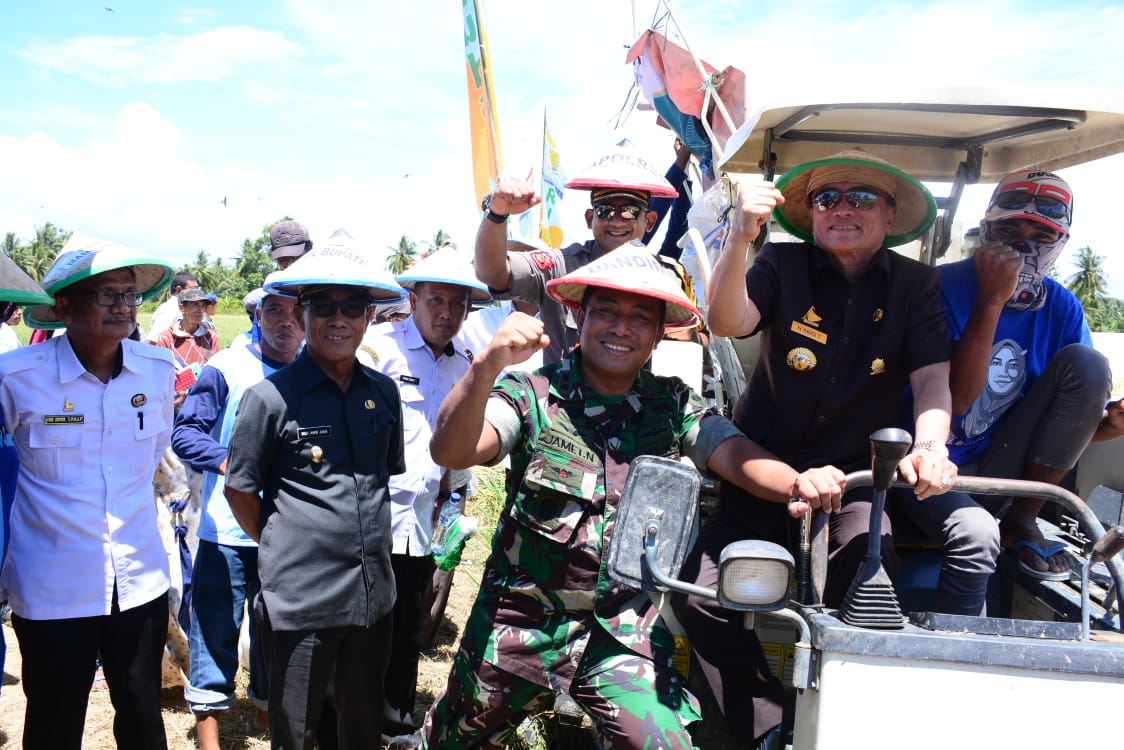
x: 548, y: 620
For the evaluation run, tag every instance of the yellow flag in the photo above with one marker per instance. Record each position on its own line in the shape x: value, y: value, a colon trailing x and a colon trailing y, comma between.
x: 553, y: 178
x: 484, y: 131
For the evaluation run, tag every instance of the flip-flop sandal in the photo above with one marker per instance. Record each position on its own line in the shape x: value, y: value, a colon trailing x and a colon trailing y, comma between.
x: 1044, y: 554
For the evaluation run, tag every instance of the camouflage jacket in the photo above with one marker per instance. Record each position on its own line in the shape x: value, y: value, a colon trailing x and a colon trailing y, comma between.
x: 546, y: 584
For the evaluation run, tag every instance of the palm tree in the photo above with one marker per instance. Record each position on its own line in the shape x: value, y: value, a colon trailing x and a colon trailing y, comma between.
x: 403, y: 256
x: 439, y: 239
x: 1088, y: 284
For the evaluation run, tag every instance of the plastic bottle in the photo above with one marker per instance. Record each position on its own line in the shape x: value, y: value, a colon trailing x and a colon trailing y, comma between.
x: 450, y: 512
x: 459, y: 533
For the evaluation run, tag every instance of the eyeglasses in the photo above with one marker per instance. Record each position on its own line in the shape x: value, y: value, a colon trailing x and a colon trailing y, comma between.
x: 605, y: 212
x: 350, y: 308
x: 106, y: 298
x: 1014, y: 200
x: 863, y: 200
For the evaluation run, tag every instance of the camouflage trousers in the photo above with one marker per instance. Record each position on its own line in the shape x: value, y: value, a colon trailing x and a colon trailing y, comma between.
x: 635, y: 704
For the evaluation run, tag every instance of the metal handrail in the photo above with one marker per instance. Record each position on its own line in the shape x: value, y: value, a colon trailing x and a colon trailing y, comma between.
x: 1087, y: 520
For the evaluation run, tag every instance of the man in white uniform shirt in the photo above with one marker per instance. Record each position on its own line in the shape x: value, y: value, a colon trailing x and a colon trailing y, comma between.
x: 422, y: 355
x: 90, y: 413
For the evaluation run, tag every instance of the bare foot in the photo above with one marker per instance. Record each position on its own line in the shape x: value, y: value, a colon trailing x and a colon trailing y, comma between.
x: 259, y: 724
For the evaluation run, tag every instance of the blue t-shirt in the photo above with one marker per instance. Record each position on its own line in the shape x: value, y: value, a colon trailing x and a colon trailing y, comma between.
x: 1025, y: 342
x: 202, y: 433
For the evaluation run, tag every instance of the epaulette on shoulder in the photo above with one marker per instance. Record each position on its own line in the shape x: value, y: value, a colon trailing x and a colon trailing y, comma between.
x: 468, y: 353
x: 24, y: 358
x: 369, y: 350
x: 151, y: 351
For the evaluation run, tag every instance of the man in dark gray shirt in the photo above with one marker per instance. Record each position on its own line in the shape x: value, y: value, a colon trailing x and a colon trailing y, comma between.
x: 319, y: 440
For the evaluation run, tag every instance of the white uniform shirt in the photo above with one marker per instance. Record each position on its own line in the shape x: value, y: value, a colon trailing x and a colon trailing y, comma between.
x: 481, y: 325
x: 9, y: 339
x: 84, y: 516
x: 398, y: 351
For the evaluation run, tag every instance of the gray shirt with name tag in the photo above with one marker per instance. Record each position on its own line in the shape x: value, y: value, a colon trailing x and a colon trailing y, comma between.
x: 321, y: 460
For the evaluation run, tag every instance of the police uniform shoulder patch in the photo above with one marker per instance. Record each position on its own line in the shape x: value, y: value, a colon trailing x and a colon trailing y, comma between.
x: 542, y: 259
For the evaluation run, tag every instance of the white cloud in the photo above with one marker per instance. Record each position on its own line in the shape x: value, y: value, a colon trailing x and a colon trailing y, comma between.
x: 393, y: 85
x: 164, y: 58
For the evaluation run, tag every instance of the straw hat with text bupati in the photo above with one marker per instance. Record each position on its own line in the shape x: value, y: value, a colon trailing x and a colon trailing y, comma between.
x: 339, y: 262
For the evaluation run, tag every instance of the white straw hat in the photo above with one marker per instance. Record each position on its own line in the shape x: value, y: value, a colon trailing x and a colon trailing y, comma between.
x: 631, y: 268
x: 84, y: 256
x: 445, y: 265
x: 16, y: 286
x: 624, y: 169
x: 336, y: 263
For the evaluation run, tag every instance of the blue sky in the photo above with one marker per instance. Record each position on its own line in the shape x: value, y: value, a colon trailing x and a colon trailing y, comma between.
x: 134, y: 124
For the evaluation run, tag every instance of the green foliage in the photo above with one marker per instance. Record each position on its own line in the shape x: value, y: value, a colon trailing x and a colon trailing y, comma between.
x: 230, y: 282
x: 1107, y: 315
x: 403, y: 256
x: 441, y: 237
x: 36, y: 257
x: 1089, y: 282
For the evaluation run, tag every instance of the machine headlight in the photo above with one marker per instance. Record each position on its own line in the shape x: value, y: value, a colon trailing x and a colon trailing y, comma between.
x: 755, y: 576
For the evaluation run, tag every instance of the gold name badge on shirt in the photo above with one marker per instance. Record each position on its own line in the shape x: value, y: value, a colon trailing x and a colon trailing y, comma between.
x: 139, y: 400
x: 64, y: 419
x: 801, y: 359
x: 807, y: 325
x: 317, y: 454
x: 808, y: 332
x: 877, y: 366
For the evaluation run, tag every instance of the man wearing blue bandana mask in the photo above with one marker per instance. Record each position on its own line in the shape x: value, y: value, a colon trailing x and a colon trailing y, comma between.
x: 1029, y: 392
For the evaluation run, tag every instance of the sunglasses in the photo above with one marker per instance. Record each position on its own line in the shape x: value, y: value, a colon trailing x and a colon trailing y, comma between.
x: 349, y: 308
x: 1014, y: 200
x: 863, y: 200
x: 605, y: 212
x: 106, y: 298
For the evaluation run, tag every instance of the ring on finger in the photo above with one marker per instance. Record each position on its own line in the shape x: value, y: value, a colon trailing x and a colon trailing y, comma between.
x: 946, y: 481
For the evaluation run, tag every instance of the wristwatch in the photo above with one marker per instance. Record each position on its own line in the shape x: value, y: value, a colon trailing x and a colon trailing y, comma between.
x: 492, y: 216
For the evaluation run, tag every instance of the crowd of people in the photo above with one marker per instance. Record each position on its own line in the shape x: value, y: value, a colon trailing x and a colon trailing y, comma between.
x: 329, y: 434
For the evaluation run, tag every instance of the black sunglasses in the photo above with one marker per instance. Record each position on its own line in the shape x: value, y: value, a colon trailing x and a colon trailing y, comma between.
x: 1014, y: 200
x: 605, y: 212
x: 863, y: 200
x: 326, y: 308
